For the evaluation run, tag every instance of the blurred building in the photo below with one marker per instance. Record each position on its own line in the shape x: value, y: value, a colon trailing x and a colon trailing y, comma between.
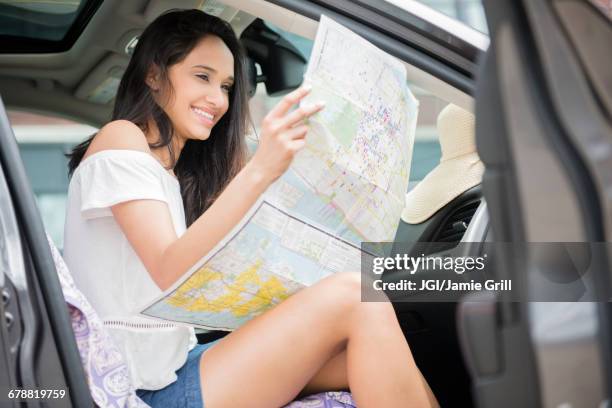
x: 469, y: 12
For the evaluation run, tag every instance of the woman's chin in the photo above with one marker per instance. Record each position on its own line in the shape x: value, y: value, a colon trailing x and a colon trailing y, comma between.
x: 201, y: 136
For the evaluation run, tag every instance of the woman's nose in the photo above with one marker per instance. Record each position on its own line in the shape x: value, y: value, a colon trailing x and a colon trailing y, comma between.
x: 216, y: 97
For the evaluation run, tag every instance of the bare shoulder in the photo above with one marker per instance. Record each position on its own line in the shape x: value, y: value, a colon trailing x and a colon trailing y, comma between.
x: 118, y: 135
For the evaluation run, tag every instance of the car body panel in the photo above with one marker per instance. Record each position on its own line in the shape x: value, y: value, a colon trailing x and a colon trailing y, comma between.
x: 540, y: 187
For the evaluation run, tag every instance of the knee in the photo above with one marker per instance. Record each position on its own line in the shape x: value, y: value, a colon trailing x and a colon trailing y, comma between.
x: 345, y: 283
x: 350, y: 284
x: 344, y: 295
x: 342, y: 290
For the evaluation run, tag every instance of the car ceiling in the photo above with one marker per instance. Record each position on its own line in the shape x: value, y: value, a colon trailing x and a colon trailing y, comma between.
x: 63, y: 83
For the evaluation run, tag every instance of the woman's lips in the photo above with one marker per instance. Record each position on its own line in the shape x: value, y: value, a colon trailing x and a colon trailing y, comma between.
x: 205, y: 117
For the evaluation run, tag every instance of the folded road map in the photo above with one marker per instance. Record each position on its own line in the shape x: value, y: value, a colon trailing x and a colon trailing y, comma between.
x: 346, y: 186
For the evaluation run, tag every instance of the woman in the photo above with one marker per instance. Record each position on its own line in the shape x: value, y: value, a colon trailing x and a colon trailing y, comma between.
x: 172, y: 157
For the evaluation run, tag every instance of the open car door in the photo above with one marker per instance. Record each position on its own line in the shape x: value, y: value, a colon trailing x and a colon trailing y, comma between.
x: 38, y: 350
x: 543, y: 128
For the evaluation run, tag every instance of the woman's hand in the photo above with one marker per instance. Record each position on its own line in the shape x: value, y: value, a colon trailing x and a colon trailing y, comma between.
x: 282, y: 135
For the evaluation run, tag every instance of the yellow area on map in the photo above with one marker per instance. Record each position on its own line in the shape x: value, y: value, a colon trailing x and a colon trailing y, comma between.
x: 233, y: 297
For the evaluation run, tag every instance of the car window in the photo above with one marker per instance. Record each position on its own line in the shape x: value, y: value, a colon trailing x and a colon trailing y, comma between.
x: 426, y: 152
x: 22, y: 18
x: 469, y: 12
x: 42, y: 26
x: 43, y: 140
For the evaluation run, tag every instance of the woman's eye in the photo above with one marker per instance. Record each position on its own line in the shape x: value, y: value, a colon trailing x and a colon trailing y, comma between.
x: 226, y: 88
x: 203, y: 77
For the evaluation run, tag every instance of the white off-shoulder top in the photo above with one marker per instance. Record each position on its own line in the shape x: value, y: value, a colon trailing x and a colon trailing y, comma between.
x: 108, y: 271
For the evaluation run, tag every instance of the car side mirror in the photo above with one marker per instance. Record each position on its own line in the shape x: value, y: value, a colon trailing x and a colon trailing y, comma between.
x: 282, y: 64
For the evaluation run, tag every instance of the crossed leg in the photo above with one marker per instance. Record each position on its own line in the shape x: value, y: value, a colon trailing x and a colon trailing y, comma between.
x: 332, y: 376
x: 302, y: 344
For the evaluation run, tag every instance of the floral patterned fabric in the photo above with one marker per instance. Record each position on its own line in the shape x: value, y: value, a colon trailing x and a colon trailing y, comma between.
x: 107, y: 373
x: 325, y: 400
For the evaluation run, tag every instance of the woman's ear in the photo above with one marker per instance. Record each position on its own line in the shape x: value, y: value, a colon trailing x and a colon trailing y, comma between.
x: 153, y: 78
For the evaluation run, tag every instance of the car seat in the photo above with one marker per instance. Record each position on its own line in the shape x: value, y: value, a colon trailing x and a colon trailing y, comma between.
x: 459, y: 169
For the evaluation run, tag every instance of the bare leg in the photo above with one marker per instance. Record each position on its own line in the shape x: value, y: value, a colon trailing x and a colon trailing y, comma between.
x: 331, y: 377
x: 268, y: 361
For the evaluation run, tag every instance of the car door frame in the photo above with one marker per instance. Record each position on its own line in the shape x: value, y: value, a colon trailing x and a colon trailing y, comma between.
x: 44, y: 353
x: 541, y: 127
x: 404, y: 34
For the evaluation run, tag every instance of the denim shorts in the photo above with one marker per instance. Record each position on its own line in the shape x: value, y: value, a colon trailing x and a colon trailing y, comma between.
x: 185, y: 392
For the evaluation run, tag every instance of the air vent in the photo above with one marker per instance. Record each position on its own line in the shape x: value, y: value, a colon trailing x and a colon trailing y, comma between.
x: 456, y: 224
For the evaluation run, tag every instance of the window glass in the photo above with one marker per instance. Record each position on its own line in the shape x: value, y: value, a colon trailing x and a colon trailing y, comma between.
x: 43, y: 141
x: 47, y: 20
x: 469, y: 12
x: 426, y: 154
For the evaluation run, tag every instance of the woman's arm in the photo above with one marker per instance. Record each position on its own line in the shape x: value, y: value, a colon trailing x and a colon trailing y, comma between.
x: 148, y: 227
x: 147, y: 223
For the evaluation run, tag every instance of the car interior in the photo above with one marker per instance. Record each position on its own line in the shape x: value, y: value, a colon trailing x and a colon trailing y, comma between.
x: 91, y: 46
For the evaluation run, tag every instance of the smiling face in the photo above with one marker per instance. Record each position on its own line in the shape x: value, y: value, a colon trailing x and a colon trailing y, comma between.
x: 200, y: 88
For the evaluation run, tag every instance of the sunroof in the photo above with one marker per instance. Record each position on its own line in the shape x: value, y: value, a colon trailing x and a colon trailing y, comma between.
x: 43, y: 25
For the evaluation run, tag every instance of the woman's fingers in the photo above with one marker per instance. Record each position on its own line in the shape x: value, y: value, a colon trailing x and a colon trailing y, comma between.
x: 296, y: 137
x: 301, y: 113
x: 288, y: 101
x: 297, y: 145
x: 283, y: 134
x: 298, y: 132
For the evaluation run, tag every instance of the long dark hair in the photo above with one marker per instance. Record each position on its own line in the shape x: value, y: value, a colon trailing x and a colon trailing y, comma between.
x: 204, y: 167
